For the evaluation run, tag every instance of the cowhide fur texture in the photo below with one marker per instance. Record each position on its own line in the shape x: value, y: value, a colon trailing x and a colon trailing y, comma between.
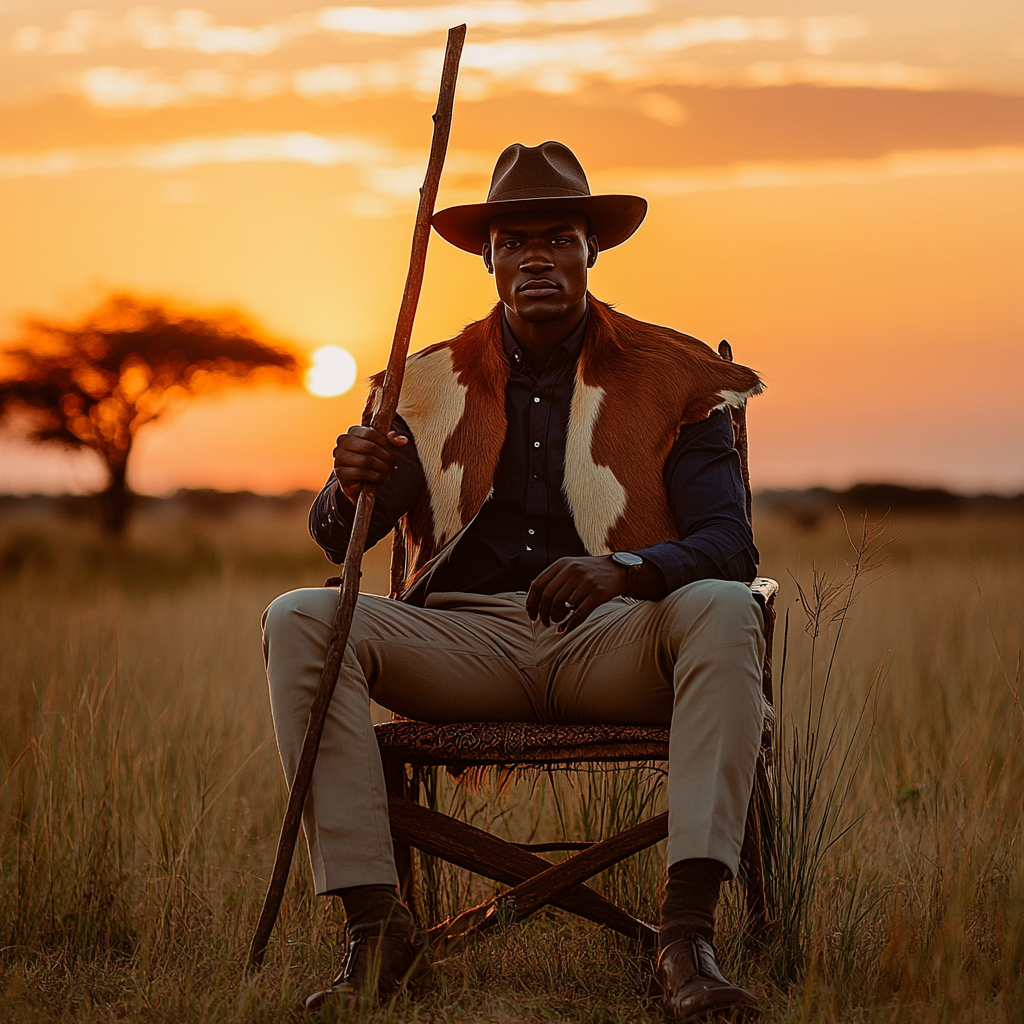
x: 636, y: 385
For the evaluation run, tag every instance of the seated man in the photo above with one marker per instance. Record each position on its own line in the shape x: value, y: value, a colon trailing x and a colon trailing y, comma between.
x: 572, y: 547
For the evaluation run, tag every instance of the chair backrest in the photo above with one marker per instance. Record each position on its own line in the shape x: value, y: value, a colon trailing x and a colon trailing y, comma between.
x: 739, y: 430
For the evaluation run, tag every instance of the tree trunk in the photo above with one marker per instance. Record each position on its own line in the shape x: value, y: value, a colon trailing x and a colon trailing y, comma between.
x: 116, y: 502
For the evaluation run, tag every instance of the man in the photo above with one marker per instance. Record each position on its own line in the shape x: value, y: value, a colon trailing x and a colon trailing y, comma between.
x: 572, y: 547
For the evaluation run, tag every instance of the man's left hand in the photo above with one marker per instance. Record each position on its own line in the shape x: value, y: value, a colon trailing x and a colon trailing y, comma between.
x: 568, y: 590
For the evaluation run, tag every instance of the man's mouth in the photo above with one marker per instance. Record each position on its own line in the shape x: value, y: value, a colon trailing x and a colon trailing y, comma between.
x: 538, y: 289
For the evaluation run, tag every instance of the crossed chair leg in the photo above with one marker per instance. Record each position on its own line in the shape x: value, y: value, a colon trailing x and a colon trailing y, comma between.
x: 687, y: 982
x: 535, y: 882
x: 695, y: 985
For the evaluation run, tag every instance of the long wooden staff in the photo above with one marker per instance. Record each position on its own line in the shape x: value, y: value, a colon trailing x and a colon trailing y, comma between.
x: 364, y: 505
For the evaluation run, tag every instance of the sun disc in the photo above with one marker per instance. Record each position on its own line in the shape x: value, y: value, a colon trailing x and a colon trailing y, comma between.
x: 333, y: 372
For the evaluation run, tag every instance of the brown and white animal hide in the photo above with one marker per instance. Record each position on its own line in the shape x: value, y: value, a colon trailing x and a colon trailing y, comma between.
x: 636, y: 385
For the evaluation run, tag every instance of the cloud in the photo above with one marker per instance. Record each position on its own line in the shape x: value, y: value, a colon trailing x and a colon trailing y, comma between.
x: 820, y: 35
x: 149, y: 28
x: 563, y: 62
x: 387, y: 177
x: 553, y: 63
x: 416, y: 21
x: 487, y: 70
x: 181, y: 154
x: 666, y: 109
x: 889, y: 74
x: 192, y: 30
x: 767, y: 174
x: 143, y: 88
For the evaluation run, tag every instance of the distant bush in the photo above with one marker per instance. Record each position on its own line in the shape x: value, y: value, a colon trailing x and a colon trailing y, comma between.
x: 806, y: 508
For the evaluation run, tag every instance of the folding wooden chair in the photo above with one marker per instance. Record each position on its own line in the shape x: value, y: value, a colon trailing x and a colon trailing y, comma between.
x: 407, y: 747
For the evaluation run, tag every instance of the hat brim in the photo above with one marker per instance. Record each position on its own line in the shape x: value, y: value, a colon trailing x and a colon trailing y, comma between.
x: 612, y: 218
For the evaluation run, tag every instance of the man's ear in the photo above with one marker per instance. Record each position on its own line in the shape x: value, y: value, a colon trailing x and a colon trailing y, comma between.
x: 592, y: 251
x: 485, y: 252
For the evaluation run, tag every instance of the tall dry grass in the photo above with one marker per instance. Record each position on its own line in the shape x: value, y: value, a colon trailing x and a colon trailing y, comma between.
x: 142, y: 794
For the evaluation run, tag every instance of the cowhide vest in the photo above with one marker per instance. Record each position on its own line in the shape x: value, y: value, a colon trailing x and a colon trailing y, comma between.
x: 636, y: 385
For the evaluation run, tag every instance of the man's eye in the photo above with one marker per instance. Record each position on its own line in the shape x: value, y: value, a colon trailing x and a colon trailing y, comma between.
x: 561, y: 241
x: 510, y: 244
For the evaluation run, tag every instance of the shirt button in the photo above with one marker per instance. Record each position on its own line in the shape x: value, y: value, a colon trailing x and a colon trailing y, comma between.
x: 530, y: 532
x: 536, y: 444
x: 536, y: 399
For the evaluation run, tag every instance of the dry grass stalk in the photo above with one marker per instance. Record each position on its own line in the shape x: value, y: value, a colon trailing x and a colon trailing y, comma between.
x: 141, y: 794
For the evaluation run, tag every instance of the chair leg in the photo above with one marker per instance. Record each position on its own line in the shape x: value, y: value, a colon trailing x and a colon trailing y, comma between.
x: 526, y: 898
x: 476, y: 850
x: 764, y: 781
x: 752, y: 852
x: 753, y: 874
x: 756, y: 855
x: 396, y: 783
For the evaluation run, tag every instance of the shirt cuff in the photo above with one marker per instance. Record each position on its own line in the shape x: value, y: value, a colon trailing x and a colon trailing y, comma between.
x: 662, y: 561
x: 339, y: 508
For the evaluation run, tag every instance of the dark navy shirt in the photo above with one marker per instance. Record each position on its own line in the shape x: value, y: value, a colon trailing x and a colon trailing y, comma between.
x: 526, y: 524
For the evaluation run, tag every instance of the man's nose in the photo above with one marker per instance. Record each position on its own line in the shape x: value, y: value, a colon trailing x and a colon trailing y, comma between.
x: 534, y: 259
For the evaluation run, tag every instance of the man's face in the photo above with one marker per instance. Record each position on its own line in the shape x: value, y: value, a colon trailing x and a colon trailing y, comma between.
x: 540, y: 262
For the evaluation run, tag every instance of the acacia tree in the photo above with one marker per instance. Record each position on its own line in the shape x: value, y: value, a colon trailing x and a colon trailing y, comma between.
x: 95, y: 383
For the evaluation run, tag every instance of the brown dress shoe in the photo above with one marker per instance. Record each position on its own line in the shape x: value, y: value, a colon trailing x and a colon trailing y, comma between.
x: 375, y: 968
x: 693, y: 988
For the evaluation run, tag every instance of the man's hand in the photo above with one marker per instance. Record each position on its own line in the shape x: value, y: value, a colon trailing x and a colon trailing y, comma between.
x: 568, y: 590
x: 365, y: 456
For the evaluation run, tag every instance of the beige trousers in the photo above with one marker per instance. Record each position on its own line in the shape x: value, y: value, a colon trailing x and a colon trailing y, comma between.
x: 692, y: 660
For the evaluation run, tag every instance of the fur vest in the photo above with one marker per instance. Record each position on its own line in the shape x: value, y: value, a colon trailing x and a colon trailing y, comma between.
x: 636, y: 385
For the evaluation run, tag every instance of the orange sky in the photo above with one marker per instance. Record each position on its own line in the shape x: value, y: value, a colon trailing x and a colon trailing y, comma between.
x: 839, y: 190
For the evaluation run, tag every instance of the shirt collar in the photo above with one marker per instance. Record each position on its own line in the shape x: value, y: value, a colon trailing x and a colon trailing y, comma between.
x: 571, y: 345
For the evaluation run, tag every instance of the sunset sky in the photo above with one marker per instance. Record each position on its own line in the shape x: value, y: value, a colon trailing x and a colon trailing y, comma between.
x: 837, y: 188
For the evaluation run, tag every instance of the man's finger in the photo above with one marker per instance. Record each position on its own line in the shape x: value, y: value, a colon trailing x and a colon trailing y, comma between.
x: 562, y: 581
x: 359, y: 462
x: 576, y: 601
x: 354, y: 449
x: 365, y: 433
x: 364, y: 445
x: 580, y: 614
x: 361, y: 475
x: 564, y: 600
x: 533, y: 598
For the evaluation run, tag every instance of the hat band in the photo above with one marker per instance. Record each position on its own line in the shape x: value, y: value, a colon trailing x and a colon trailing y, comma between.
x: 536, y: 193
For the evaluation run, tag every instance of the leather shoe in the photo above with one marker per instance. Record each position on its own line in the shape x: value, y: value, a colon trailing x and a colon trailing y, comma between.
x: 375, y: 967
x: 693, y: 988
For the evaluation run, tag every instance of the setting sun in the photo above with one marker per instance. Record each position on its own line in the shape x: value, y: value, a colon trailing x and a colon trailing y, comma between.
x: 333, y: 372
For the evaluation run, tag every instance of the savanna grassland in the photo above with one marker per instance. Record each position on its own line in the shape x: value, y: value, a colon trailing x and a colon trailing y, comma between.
x: 141, y: 791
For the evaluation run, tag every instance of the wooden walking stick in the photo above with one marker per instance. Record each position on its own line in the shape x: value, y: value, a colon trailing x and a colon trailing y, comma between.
x: 364, y: 505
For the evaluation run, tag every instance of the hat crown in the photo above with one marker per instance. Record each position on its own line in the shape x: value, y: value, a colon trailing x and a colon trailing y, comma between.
x: 547, y: 171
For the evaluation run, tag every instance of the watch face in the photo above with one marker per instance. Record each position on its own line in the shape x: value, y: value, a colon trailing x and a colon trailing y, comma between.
x: 627, y: 558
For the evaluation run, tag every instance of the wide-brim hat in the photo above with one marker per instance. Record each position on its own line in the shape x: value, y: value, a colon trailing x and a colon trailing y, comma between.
x: 544, y: 177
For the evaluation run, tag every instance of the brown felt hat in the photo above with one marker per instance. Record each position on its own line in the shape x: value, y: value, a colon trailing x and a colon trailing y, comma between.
x: 544, y: 177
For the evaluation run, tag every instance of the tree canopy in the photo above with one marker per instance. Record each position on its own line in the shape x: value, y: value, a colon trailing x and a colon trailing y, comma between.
x: 95, y: 383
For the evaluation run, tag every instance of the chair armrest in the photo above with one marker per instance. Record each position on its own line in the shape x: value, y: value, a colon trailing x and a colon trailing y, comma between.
x: 764, y: 590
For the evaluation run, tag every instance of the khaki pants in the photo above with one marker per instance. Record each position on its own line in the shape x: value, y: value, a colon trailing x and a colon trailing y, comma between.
x: 692, y: 660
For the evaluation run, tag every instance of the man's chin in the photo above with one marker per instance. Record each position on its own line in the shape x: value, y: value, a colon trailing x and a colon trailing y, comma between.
x: 539, y: 311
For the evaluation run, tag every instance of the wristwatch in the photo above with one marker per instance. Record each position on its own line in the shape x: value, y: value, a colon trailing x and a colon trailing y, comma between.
x: 630, y: 561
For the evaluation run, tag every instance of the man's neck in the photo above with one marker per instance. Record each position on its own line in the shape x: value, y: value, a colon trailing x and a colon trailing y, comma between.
x: 539, y: 340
